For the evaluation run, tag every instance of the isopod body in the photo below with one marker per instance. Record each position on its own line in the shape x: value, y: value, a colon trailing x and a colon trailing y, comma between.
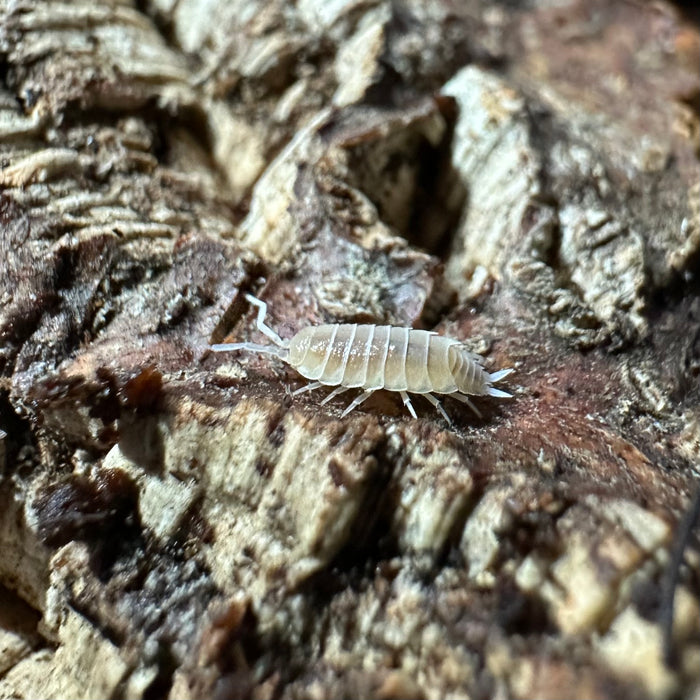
x: 386, y: 357
x: 370, y: 358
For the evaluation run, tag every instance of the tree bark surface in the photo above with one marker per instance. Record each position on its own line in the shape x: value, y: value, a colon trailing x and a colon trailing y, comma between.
x: 524, y: 177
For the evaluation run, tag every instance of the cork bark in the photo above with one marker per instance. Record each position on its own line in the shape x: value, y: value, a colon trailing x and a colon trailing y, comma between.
x: 524, y: 177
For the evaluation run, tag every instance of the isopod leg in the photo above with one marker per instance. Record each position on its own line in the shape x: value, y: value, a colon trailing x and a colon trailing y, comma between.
x: 260, y: 321
x: 407, y: 403
x: 357, y: 401
x: 464, y: 399
x: 439, y: 407
x: 333, y: 394
x: 307, y: 387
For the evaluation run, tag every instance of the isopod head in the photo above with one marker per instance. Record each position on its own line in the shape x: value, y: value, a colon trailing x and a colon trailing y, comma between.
x: 299, y: 346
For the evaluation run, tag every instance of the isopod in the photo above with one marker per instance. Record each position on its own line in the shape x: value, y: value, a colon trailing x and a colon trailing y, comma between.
x: 370, y: 357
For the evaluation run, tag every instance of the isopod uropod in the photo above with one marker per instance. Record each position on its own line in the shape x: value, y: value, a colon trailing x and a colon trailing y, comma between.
x: 370, y: 357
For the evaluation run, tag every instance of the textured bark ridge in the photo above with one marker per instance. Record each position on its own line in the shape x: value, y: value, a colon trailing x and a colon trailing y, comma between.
x: 523, y: 176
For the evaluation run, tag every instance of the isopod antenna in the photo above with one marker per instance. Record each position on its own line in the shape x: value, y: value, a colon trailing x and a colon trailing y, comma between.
x: 280, y: 347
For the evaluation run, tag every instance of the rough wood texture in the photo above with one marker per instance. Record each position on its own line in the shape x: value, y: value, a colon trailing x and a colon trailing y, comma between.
x: 522, y: 175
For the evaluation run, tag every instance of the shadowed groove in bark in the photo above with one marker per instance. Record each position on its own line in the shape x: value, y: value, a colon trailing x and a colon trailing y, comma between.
x: 685, y: 537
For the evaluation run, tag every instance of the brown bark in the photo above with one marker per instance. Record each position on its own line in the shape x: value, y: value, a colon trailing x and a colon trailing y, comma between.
x: 173, y: 524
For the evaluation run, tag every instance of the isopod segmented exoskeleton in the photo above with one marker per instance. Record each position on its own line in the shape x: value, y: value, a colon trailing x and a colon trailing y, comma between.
x: 369, y: 357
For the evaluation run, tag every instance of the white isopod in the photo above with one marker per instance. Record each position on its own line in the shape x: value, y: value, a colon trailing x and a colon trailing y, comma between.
x: 370, y: 357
